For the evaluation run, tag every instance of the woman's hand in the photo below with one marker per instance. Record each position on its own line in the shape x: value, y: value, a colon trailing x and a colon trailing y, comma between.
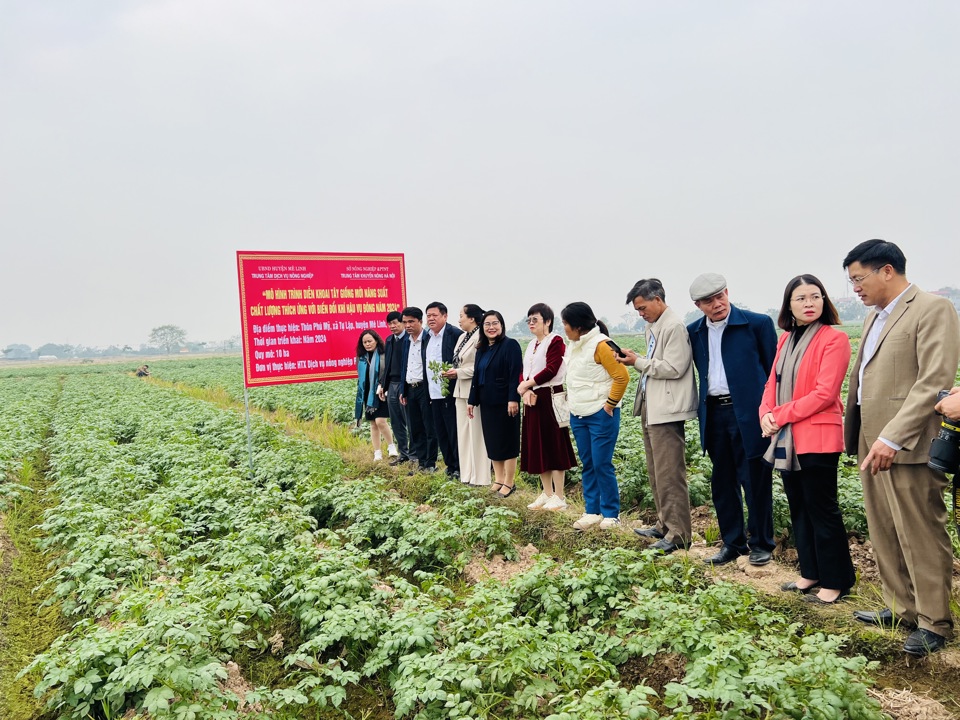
x: 450, y: 374
x: 513, y: 408
x: 525, y: 385
x: 470, y: 411
x: 529, y: 398
x: 768, y: 425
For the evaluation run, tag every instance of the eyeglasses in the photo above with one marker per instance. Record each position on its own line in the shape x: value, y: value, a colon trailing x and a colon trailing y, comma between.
x: 803, y: 298
x: 859, y: 280
x: 532, y: 320
x: 493, y: 324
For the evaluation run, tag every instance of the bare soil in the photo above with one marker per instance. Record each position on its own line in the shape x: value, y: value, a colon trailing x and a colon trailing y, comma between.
x: 500, y: 569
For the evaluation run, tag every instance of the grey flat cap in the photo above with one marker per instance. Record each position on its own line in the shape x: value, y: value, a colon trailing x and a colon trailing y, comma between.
x: 706, y: 285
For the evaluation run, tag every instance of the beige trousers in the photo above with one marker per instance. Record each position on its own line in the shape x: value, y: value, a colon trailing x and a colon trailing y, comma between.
x: 474, y: 463
x: 907, y: 518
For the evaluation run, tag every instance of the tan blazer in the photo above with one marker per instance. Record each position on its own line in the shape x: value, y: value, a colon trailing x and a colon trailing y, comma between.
x: 671, y: 390
x: 916, y: 355
x: 461, y: 388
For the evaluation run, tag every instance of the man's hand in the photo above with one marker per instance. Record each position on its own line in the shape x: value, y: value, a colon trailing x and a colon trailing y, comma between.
x: 950, y: 405
x: 380, y: 393
x: 879, y: 458
x: 403, y: 400
x: 629, y: 357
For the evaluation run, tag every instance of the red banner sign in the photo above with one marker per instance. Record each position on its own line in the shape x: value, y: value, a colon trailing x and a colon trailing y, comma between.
x: 302, y: 313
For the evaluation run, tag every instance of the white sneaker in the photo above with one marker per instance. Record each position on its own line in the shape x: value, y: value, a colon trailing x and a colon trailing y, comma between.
x: 610, y: 523
x: 587, y: 521
x: 392, y: 450
x: 539, y: 502
x: 555, y: 503
x: 378, y: 454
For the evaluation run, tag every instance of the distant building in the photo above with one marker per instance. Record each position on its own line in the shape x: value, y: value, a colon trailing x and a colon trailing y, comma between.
x: 950, y: 293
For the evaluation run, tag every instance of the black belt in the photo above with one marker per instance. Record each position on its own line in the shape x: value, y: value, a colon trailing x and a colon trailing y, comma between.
x: 720, y: 399
x: 416, y: 384
x: 554, y: 389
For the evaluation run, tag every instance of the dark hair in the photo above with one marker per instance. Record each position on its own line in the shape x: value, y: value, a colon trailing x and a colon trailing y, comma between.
x: 579, y: 316
x: 544, y: 311
x: 361, y: 350
x: 439, y: 306
x: 786, y: 321
x: 474, y: 312
x: 413, y: 312
x: 393, y: 315
x: 484, y: 341
x: 647, y: 289
x: 874, y: 254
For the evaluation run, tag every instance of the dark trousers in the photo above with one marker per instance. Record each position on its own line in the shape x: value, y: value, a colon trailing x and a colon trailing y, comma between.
x: 733, y: 471
x: 423, y: 438
x: 445, y: 424
x: 818, y: 527
x: 398, y: 419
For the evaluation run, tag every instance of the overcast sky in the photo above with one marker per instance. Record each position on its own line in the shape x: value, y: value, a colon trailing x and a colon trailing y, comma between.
x: 516, y: 152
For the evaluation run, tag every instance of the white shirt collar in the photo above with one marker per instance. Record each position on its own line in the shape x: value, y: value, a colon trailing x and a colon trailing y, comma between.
x: 885, y: 311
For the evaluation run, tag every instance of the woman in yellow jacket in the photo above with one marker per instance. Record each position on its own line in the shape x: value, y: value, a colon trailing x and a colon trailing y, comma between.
x: 596, y: 383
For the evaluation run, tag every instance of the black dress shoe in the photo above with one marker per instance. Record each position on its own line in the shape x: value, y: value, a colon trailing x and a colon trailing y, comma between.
x: 649, y: 532
x: 400, y: 460
x: 792, y: 587
x: 882, y: 618
x: 667, y: 547
x: 760, y: 557
x: 726, y: 555
x: 923, y: 642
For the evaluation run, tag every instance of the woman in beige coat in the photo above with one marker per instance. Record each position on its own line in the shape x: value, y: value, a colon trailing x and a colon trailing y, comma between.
x: 474, y: 463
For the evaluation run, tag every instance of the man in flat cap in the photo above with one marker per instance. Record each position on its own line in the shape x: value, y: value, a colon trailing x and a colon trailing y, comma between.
x: 733, y: 350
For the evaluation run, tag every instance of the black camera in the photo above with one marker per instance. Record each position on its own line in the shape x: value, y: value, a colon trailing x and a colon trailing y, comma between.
x: 945, y: 448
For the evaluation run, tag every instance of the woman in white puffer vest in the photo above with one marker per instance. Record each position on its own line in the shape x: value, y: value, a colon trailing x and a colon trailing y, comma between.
x: 596, y: 383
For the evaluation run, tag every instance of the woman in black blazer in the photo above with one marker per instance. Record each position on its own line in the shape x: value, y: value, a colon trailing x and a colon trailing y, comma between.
x: 498, y: 368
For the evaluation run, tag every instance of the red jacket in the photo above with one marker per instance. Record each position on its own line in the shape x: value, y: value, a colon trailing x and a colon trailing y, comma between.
x: 816, y: 410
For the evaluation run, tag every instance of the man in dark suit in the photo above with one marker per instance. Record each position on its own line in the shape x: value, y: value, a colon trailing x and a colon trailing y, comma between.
x: 909, y: 350
x: 391, y: 383
x: 438, y: 348
x: 734, y: 350
x: 414, y: 395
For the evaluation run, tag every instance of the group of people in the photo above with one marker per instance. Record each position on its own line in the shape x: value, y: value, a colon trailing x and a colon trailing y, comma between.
x: 762, y: 404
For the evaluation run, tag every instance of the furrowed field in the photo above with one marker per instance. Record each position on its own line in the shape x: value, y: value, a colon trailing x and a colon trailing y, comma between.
x: 145, y: 571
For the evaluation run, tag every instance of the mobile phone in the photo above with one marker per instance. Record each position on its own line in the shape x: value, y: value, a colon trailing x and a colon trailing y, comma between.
x: 616, y: 348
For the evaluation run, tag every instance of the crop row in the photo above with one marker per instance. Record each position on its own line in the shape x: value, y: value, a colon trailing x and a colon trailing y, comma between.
x: 173, y: 561
x: 26, y: 405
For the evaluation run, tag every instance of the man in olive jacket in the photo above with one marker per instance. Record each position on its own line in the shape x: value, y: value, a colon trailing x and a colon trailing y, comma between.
x: 666, y: 396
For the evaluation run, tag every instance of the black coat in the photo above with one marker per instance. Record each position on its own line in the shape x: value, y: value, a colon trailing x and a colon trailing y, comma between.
x: 500, y: 377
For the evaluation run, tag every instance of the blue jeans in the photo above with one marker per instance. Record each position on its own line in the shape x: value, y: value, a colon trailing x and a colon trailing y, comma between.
x: 596, y: 436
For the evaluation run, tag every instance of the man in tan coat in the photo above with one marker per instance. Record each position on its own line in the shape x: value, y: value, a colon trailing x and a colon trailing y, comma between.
x: 909, y: 350
x: 666, y: 397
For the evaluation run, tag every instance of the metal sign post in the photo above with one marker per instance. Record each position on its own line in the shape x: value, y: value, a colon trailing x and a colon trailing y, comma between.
x: 246, y: 405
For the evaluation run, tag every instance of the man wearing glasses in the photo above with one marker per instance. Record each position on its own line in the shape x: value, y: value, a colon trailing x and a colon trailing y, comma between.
x: 909, y: 350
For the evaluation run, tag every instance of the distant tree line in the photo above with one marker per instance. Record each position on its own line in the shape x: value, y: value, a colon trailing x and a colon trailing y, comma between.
x: 163, y: 340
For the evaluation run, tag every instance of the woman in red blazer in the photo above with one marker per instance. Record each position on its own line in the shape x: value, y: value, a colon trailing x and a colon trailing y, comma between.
x: 802, y: 414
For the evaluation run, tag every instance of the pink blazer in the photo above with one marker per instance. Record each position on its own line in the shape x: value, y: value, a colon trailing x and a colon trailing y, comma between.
x: 816, y: 410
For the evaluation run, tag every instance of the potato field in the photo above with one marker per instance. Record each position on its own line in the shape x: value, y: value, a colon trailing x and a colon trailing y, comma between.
x: 147, y: 572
